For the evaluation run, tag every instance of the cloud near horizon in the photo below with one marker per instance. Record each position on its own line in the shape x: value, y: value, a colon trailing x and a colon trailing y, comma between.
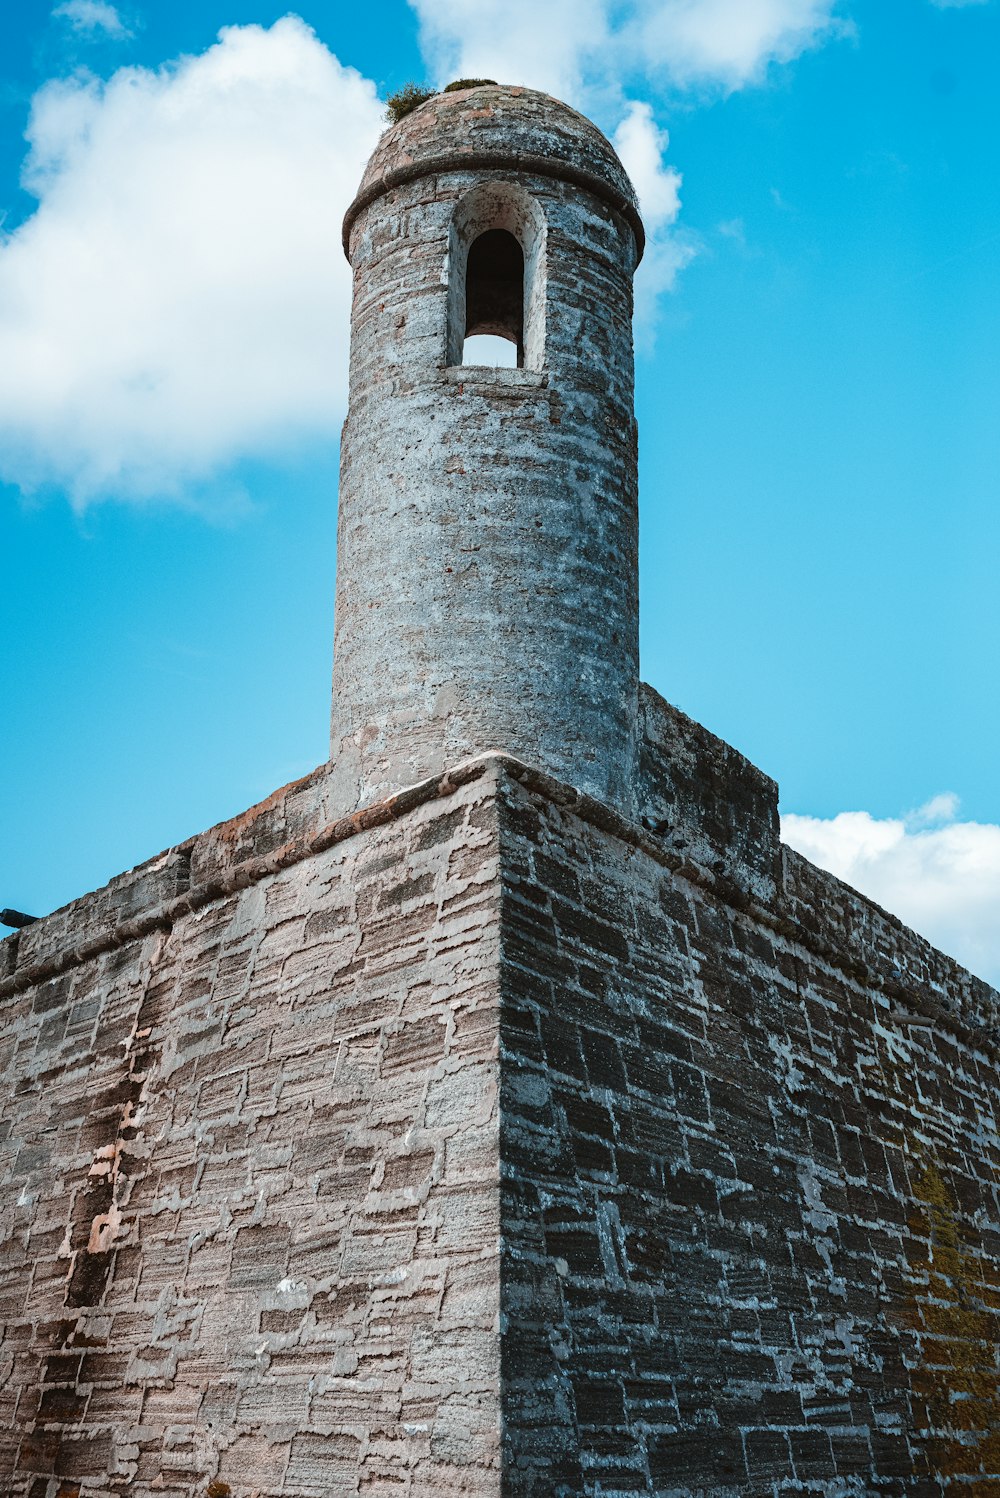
x: 938, y: 874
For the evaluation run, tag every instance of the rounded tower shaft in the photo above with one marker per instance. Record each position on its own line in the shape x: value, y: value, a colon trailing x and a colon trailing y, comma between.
x: 487, y: 552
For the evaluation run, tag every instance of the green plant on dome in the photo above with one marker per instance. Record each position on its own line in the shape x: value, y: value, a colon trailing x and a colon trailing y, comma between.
x: 405, y: 100
x: 408, y: 98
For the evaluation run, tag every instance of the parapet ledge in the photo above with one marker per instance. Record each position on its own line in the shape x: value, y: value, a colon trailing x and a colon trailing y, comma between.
x: 707, y: 815
x: 704, y: 804
x: 93, y: 920
x: 714, y: 815
x: 706, y: 801
x: 131, y: 902
x: 923, y: 986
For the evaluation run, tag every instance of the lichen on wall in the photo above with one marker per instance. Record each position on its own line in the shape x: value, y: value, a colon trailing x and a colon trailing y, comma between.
x: 954, y: 1311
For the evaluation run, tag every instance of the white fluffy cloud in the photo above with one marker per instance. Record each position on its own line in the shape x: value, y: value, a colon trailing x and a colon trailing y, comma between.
x: 550, y: 46
x: 94, y: 16
x: 642, y: 146
x: 940, y: 875
x: 575, y: 48
x: 727, y: 42
x: 180, y: 298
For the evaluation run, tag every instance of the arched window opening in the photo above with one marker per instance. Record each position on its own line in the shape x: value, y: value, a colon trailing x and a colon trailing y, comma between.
x: 495, y: 275
x: 494, y: 291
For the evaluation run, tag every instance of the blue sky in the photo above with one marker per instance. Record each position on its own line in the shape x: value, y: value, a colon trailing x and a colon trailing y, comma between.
x: 818, y: 399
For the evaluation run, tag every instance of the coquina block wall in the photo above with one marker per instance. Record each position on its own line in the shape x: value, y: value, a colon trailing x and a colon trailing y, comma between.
x: 542, y: 1128
x: 491, y: 1143
x: 251, y: 1216
x: 750, y: 1159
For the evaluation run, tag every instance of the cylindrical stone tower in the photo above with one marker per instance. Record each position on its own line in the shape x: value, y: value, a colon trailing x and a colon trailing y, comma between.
x: 487, y: 587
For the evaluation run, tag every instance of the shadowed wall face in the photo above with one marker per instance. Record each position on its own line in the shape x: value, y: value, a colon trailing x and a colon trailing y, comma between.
x: 487, y: 591
x: 751, y: 1221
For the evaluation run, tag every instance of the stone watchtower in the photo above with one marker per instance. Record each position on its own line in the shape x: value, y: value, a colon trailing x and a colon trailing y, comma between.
x: 487, y: 593
x: 500, y: 1111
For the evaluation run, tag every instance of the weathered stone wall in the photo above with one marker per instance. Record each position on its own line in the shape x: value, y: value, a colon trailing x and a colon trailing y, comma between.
x: 707, y: 804
x: 250, y: 1228
x: 334, y: 1147
x: 751, y: 1227
x: 501, y: 504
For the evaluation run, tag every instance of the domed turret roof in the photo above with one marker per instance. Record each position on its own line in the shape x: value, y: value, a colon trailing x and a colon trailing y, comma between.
x: 502, y: 127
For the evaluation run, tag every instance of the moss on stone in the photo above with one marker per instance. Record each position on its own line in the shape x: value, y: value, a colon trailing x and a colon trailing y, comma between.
x: 405, y: 100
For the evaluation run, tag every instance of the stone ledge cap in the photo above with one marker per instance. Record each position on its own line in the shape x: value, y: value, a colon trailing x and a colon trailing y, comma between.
x: 971, y: 1013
